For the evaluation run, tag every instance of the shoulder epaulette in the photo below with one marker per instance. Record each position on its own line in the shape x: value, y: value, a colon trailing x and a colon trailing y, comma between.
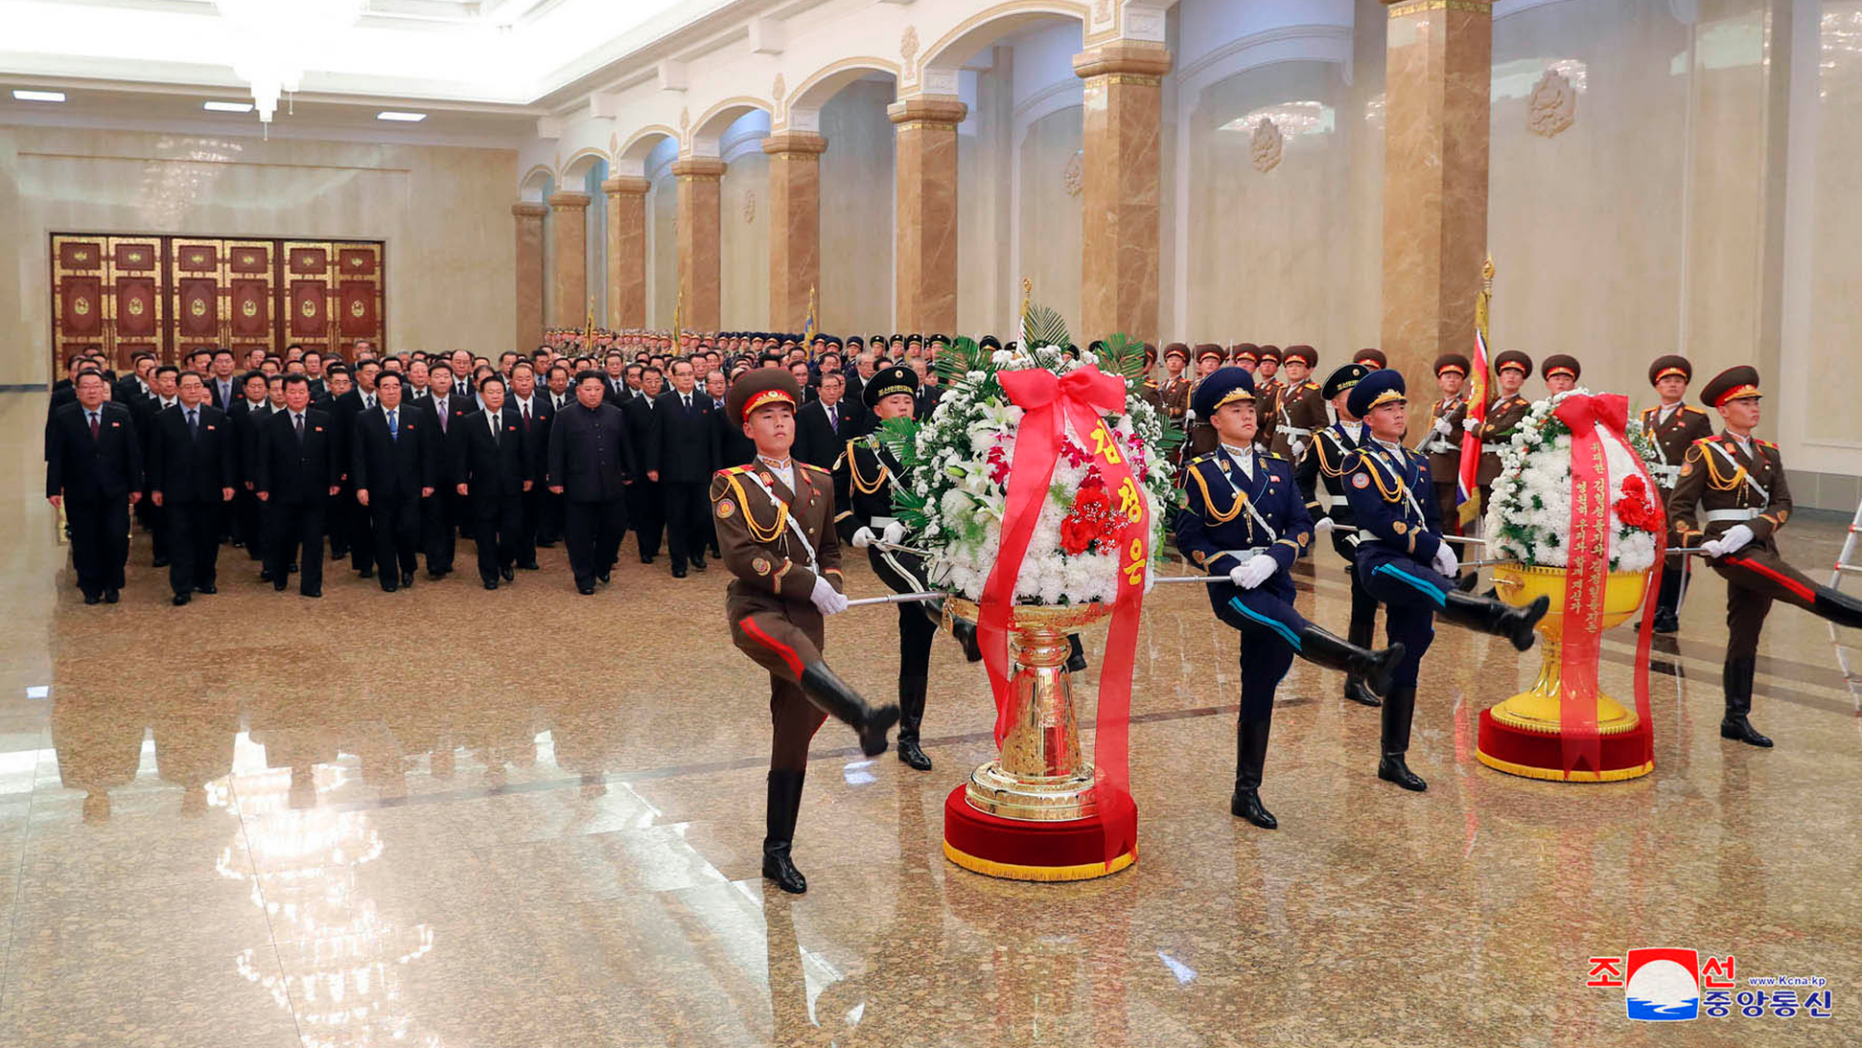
x: 1764, y: 443
x: 1204, y: 457
x: 810, y: 465
x: 1705, y: 440
x: 1276, y: 456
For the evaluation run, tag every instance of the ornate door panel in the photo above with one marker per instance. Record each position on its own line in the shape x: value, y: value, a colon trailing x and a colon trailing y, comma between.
x: 106, y: 297
x: 171, y: 295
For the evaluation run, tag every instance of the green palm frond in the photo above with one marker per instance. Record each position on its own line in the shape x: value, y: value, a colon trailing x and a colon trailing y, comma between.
x: 1044, y: 327
x: 900, y: 436
x: 958, y: 359
x: 1124, y: 356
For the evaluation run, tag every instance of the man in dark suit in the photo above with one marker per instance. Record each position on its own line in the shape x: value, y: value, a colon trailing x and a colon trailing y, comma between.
x: 392, y: 463
x: 534, y: 415
x: 191, y: 476
x: 350, y: 517
x: 646, y: 505
x: 590, y: 465
x: 682, y: 453
x: 297, y: 475
x: 250, y: 409
x: 825, y: 425
x: 143, y: 408
x: 223, y: 386
x: 135, y: 385
x: 93, y: 468
x: 736, y: 448
x: 491, y: 472
x: 441, y: 515
x: 618, y: 391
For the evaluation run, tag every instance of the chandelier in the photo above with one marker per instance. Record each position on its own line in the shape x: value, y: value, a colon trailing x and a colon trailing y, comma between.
x: 275, y: 40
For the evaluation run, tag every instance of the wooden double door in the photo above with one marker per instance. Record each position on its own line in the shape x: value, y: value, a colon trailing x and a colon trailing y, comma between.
x: 171, y: 295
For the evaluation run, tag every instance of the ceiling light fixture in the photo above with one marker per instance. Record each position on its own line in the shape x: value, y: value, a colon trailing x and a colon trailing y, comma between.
x: 39, y: 96
x: 411, y: 118
x: 227, y: 107
x: 274, y: 42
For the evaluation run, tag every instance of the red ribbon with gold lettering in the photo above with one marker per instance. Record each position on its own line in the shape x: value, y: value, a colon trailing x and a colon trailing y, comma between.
x: 1587, y: 577
x: 1049, y: 403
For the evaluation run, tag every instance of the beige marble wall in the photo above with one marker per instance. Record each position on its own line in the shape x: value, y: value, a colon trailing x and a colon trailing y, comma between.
x: 1833, y: 310
x: 627, y: 251
x: 1052, y: 219
x: 698, y: 225
x: 926, y: 213
x: 529, y: 294
x: 986, y: 283
x: 444, y: 213
x: 743, y: 242
x: 569, y: 302
x: 856, y: 211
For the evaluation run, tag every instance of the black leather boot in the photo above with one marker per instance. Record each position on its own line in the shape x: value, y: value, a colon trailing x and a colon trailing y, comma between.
x: 1736, y: 677
x: 965, y: 632
x: 911, y: 714
x: 1668, y: 603
x: 1370, y: 670
x: 837, y: 700
x: 1399, y: 708
x: 1250, y: 759
x: 1361, y: 632
x: 1076, y: 662
x: 784, y: 803
x: 1490, y: 615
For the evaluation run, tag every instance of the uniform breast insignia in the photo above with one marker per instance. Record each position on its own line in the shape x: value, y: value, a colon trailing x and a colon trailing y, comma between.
x: 725, y: 508
x: 766, y: 478
x: 1399, y: 527
x: 760, y: 566
x: 1686, y: 468
x: 1198, y: 554
x: 1360, y: 480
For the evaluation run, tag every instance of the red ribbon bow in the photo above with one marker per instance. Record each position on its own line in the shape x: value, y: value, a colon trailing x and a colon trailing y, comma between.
x: 1050, y: 402
x: 1587, y: 572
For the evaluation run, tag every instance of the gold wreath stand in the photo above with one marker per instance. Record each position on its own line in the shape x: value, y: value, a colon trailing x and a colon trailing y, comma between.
x: 1536, y: 710
x: 1041, y: 774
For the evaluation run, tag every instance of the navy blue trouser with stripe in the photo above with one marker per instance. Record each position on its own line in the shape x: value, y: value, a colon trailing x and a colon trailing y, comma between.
x: 1411, y: 593
x: 1270, y: 637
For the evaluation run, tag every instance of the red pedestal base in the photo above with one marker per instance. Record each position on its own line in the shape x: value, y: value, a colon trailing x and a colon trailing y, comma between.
x: 1539, y: 756
x: 1027, y: 851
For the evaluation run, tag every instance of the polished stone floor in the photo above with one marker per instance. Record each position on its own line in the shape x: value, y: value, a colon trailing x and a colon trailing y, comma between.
x: 456, y: 818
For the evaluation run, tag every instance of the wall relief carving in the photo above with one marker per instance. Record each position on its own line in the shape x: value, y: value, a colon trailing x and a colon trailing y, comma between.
x: 908, y: 45
x: 1073, y: 176
x: 1266, y: 146
x: 1553, y: 105
x: 749, y: 206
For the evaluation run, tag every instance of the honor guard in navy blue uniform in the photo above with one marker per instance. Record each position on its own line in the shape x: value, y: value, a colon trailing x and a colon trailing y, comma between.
x: 1332, y: 449
x: 1242, y: 518
x: 1403, y: 561
x: 863, y: 476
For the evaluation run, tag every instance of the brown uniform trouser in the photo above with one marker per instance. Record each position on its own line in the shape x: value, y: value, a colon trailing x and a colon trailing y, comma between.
x: 1755, y: 577
x: 783, y: 640
x: 1445, y: 492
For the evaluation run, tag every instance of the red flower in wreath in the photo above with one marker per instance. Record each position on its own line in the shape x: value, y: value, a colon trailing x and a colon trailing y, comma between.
x: 1637, y: 510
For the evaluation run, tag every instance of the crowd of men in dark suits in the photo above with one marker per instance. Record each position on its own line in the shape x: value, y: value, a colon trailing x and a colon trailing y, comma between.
x: 390, y: 458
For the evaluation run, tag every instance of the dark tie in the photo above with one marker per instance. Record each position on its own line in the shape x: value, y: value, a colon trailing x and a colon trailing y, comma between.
x: 833, y: 419
x: 494, y: 434
x: 299, y: 421
x: 93, y: 416
x: 524, y: 410
x: 442, y: 413
x: 193, y: 425
x: 688, y: 402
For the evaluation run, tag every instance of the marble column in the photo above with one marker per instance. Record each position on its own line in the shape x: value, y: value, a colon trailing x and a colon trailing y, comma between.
x: 926, y: 213
x: 699, y: 240
x: 529, y: 275
x: 627, y: 251
x: 1119, y: 188
x: 794, y: 224
x: 1437, y: 78
x: 569, y: 267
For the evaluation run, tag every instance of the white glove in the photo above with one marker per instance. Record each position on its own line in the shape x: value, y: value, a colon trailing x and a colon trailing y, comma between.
x: 1714, y: 548
x: 1444, y: 427
x: 895, y: 533
x: 826, y: 600
x: 1259, y: 569
x: 1469, y: 424
x: 1446, y: 562
x: 1735, y: 538
x: 1298, y: 447
x: 863, y: 538
x: 1189, y: 414
x: 1323, y: 526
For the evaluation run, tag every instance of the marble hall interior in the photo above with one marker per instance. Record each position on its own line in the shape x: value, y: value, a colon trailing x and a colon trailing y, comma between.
x: 488, y: 810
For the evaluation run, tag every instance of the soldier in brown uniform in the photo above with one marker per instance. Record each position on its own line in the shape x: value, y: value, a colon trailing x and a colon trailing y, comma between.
x: 1152, y: 393
x: 1176, y: 384
x: 1267, y: 396
x: 1561, y: 372
x: 1674, y: 427
x: 1199, y: 436
x: 1245, y: 355
x: 1443, y: 445
x: 1507, y: 410
x: 1301, y: 411
x: 775, y: 524
x: 1731, y: 500
x: 1371, y: 358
